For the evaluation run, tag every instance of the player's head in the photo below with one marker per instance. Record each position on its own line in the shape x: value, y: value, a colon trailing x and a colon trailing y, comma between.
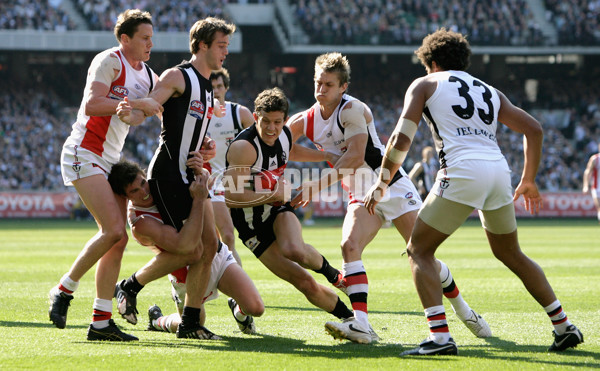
x: 220, y: 83
x: 128, y: 22
x: 332, y: 76
x: 270, y: 113
x: 449, y: 50
x: 205, y: 31
x: 128, y: 179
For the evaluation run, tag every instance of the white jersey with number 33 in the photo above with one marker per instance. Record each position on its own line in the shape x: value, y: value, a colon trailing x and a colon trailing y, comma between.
x: 462, y: 114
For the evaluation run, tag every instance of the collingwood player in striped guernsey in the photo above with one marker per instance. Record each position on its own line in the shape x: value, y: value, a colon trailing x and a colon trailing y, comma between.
x: 264, y: 220
x: 186, y: 94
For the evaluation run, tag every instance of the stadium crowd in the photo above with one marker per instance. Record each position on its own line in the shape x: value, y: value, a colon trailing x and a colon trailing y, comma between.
x: 393, y: 22
x: 343, y: 22
x: 34, y: 126
x: 577, y: 21
x: 39, y: 15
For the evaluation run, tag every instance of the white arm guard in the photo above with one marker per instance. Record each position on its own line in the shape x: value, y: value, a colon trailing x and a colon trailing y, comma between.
x: 353, y: 120
x: 406, y: 127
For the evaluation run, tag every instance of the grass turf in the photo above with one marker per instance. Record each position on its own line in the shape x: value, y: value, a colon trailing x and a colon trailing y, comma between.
x: 34, y: 254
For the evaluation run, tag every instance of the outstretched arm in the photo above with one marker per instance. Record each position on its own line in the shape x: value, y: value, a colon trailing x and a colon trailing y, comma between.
x: 520, y: 121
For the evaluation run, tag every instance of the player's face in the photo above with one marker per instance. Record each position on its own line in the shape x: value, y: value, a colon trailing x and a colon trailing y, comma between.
x: 141, y: 43
x: 328, y: 90
x: 219, y: 89
x: 139, y: 192
x: 218, y: 51
x: 269, y: 125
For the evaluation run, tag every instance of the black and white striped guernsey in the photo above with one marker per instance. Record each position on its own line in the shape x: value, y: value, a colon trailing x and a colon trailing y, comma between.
x: 184, y: 125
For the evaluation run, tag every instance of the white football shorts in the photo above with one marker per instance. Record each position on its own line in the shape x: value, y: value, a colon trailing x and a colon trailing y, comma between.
x: 482, y: 184
x: 223, y: 259
x: 77, y: 163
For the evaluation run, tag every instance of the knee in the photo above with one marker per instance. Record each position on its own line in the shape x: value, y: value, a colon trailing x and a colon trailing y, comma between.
x: 307, y: 285
x: 254, y: 307
x: 116, y: 234
x: 193, y: 257
x: 295, y: 252
x: 417, y: 255
x: 350, y: 248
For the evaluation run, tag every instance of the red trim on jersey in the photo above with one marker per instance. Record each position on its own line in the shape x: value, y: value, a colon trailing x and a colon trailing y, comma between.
x: 360, y: 279
x: 97, y: 126
x: 310, y: 124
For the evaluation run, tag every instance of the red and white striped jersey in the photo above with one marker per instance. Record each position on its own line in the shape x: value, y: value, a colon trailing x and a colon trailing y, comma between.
x: 105, y: 135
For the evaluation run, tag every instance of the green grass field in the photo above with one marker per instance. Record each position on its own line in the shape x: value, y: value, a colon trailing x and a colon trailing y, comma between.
x: 35, y: 254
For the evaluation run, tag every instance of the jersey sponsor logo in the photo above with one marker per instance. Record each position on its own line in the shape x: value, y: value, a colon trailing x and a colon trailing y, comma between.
x: 218, y: 124
x: 118, y: 92
x: 251, y: 243
x: 196, y: 109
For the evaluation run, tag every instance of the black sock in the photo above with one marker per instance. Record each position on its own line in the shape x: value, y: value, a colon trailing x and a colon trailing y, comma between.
x: 328, y: 271
x: 341, y: 311
x: 132, y: 286
x: 190, y: 317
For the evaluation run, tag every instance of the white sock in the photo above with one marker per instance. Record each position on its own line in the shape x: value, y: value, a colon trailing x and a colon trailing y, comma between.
x: 558, y: 317
x: 102, y: 310
x: 68, y: 283
x: 238, y: 314
x: 437, y: 336
x: 459, y: 305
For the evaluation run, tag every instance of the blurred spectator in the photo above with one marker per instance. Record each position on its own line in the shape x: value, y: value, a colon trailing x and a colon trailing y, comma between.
x: 39, y: 15
x: 406, y: 22
x: 577, y: 21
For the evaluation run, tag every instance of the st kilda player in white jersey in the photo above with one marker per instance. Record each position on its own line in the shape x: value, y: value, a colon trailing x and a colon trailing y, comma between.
x: 343, y: 125
x: 463, y: 113
x: 94, y: 146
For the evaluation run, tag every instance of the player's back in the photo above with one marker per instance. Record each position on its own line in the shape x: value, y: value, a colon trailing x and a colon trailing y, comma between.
x: 462, y: 114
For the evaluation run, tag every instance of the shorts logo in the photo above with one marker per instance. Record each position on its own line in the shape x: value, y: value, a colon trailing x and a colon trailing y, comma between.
x: 408, y: 195
x: 76, y: 166
x: 196, y: 109
x: 251, y: 243
x: 118, y: 92
x: 412, y: 202
x: 444, y: 183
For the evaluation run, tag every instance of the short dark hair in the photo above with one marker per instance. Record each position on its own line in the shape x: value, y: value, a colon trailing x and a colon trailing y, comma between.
x: 223, y: 73
x: 205, y: 29
x: 128, y: 22
x: 450, y: 50
x: 272, y: 100
x: 122, y: 174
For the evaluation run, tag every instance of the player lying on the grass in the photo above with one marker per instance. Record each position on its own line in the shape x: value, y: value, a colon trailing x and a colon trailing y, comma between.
x: 128, y: 179
x: 463, y: 114
x: 343, y: 125
x: 265, y: 222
